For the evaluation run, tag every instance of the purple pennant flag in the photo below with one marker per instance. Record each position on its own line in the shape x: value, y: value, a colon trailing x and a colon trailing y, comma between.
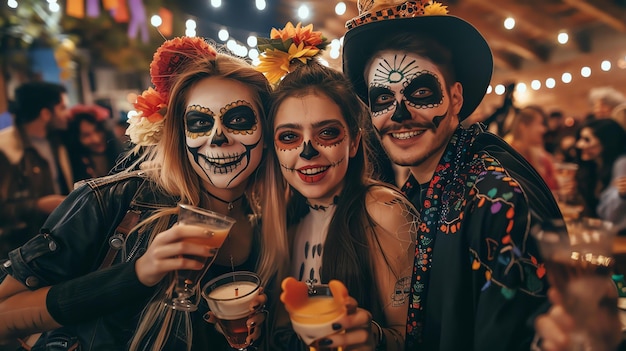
x: 93, y: 8
x: 138, y: 21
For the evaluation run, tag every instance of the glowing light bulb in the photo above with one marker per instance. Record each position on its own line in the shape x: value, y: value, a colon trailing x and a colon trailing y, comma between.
x: 509, y: 23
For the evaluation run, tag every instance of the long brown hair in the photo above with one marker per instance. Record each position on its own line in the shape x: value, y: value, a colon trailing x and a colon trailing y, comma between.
x: 347, y: 247
x: 174, y: 174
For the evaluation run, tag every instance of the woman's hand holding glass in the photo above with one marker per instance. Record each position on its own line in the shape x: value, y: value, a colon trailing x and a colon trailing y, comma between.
x: 356, y: 329
x: 325, y: 317
x: 169, y: 251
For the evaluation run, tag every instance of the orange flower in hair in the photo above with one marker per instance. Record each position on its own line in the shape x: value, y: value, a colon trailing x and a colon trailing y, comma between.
x: 172, y: 56
x: 151, y: 104
x: 287, y: 46
x: 298, y: 34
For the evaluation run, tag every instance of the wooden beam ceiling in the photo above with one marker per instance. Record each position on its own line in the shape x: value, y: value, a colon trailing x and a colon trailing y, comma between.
x: 604, y: 11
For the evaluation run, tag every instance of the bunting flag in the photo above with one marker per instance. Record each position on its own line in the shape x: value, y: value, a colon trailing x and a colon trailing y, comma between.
x: 110, y: 5
x: 120, y: 13
x: 93, y: 8
x: 75, y: 8
x: 138, y: 20
x: 167, y: 22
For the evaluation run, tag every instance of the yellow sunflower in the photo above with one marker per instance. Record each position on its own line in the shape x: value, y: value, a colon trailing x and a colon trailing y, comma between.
x: 435, y: 9
x: 274, y: 64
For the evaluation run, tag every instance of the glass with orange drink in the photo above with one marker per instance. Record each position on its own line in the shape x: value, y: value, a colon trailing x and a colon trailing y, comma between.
x: 314, y: 309
x: 216, y: 227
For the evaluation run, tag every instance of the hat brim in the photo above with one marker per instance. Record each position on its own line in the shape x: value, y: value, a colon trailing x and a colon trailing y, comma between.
x: 471, y: 55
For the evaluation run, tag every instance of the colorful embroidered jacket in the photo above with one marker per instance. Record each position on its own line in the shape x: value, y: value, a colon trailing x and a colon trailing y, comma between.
x: 477, y: 278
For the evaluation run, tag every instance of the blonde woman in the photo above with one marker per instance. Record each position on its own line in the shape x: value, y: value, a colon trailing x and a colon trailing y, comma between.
x: 205, y: 151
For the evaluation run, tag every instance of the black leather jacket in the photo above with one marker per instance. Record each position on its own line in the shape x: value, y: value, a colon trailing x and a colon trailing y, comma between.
x: 74, y: 241
x: 76, y: 238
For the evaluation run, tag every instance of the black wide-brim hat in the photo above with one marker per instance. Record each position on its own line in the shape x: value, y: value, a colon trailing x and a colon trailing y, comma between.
x: 471, y: 56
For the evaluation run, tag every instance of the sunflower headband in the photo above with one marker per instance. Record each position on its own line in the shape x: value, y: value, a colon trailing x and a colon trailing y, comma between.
x: 171, y: 58
x: 287, y: 48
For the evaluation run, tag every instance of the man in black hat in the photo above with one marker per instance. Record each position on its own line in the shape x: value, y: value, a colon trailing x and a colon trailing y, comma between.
x: 477, y: 278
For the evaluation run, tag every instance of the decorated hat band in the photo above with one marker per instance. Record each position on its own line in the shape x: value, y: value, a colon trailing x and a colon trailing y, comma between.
x: 405, y: 10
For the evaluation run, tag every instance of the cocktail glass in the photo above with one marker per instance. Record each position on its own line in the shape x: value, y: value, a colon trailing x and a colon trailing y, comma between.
x: 579, y: 263
x: 313, y: 320
x: 229, y: 297
x: 216, y: 226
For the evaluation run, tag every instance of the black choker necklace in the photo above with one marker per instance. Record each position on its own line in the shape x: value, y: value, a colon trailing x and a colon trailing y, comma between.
x: 231, y: 204
x: 322, y: 207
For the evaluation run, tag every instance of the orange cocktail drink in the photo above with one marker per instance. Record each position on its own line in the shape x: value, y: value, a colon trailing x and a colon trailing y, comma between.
x: 215, y: 228
x: 314, y: 309
x: 214, y: 239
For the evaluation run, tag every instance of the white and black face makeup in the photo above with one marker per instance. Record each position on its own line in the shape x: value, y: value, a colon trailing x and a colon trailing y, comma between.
x: 409, y: 104
x: 399, y: 84
x: 223, y: 131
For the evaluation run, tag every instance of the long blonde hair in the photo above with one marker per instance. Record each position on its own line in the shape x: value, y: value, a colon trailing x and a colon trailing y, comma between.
x: 175, y: 175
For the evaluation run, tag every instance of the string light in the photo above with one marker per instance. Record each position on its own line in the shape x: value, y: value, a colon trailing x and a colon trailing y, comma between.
x: 12, y: 4
x: 223, y: 34
x: 562, y: 38
x: 216, y: 3
x: 252, y: 41
x: 303, y: 12
x: 605, y: 65
x: 54, y: 6
x: 260, y: 5
x: 500, y: 89
x: 550, y: 83
x: 509, y: 23
x: 585, y: 72
x: 535, y: 85
x: 566, y: 77
x: 156, y: 20
x: 340, y: 8
x: 190, y: 24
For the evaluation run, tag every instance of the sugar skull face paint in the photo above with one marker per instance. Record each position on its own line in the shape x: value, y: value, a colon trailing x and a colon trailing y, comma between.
x: 412, y: 110
x: 313, y: 146
x: 223, y: 131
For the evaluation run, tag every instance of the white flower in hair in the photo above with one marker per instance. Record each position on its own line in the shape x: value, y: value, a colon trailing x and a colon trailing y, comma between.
x: 143, y: 132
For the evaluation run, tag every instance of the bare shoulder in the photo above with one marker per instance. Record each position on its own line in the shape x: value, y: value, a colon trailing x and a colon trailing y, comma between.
x: 386, y: 204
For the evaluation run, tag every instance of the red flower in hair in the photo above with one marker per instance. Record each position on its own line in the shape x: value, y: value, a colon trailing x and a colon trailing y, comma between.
x: 174, y: 54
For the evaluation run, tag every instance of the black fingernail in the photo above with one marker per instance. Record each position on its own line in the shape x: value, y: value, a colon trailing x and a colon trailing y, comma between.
x: 251, y: 341
x: 251, y: 331
x: 325, y: 342
x: 252, y: 324
x: 255, y: 307
x: 336, y: 326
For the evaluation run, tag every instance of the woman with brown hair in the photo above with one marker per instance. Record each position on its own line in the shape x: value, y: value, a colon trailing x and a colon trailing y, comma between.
x: 329, y: 219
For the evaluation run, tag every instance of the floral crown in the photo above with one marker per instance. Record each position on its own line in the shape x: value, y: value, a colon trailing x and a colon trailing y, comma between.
x: 286, y: 47
x: 171, y: 58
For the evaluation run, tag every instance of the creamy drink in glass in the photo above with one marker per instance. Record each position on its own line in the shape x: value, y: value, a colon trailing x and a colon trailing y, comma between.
x: 229, y: 297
